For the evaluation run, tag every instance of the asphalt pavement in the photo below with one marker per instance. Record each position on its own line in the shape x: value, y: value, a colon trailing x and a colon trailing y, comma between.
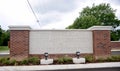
x: 89, y: 69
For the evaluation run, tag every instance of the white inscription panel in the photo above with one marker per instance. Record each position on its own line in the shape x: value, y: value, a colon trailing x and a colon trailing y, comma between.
x: 60, y: 41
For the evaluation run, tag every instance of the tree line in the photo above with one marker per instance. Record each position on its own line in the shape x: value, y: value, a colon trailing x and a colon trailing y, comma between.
x: 4, y: 37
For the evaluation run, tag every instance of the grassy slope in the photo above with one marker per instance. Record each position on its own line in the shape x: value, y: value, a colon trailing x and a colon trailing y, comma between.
x: 4, y: 48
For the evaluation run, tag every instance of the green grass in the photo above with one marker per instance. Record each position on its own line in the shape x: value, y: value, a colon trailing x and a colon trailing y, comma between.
x: 4, y: 48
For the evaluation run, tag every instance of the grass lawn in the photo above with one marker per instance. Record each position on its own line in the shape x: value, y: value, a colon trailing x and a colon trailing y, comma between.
x: 4, y: 48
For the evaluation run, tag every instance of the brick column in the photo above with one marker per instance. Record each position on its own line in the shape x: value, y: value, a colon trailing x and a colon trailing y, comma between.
x: 19, y: 42
x: 101, y: 41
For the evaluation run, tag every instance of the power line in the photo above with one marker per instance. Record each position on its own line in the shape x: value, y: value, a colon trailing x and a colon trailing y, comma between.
x: 33, y: 12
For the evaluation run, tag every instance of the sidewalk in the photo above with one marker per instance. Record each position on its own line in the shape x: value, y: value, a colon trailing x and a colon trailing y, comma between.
x: 7, y: 51
x: 59, y: 67
x: 4, y: 53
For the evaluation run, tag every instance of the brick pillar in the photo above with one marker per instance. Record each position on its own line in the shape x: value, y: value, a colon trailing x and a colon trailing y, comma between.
x: 101, y: 43
x: 19, y: 42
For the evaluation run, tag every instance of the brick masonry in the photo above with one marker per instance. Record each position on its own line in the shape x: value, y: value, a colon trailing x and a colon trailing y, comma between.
x: 101, y: 43
x: 19, y: 44
x: 115, y: 45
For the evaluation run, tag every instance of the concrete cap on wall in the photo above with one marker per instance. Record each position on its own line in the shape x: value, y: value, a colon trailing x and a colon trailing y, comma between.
x: 19, y: 27
x: 100, y: 28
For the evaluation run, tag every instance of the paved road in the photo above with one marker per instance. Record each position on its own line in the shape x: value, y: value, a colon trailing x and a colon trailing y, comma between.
x: 91, y: 69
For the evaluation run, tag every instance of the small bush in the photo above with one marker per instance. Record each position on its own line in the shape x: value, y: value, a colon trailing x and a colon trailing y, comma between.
x: 113, y: 58
x: 64, y: 60
x: 67, y: 60
x: 89, y: 58
x: 24, y: 62
x: 13, y: 62
x: 101, y: 60
x: 34, y: 60
x: 60, y: 61
x: 7, y: 61
x: 30, y: 61
x: 4, y: 61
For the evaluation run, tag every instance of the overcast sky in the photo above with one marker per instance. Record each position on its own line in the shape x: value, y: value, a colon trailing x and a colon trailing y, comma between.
x: 52, y: 14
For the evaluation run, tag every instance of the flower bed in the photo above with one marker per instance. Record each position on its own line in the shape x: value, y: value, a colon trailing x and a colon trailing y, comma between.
x: 6, y: 61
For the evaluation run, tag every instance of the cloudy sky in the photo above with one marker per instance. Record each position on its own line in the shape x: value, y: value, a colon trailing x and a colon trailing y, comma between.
x: 52, y: 14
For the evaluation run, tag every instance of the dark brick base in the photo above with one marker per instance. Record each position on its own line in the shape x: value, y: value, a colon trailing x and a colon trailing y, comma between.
x: 54, y: 56
x: 115, y: 45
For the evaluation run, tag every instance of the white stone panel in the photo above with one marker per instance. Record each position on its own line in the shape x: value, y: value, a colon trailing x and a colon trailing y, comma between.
x: 60, y: 41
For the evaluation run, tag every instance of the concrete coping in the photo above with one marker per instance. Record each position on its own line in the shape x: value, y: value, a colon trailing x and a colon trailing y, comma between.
x: 115, y: 41
x: 115, y: 50
x: 19, y: 27
x: 23, y: 27
x: 100, y: 28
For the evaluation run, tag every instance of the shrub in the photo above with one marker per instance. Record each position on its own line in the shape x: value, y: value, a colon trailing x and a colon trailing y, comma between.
x: 7, y: 61
x: 30, y: 61
x: 4, y: 61
x: 113, y: 58
x: 67, y: 60
x: 116, y: 57
x: 64, y: 60
x: 24, y: 62
x: 89, y: 58
x: 60, y: 61
x: 101, y: 60
x: 34, y: 60
x: 13, y: 62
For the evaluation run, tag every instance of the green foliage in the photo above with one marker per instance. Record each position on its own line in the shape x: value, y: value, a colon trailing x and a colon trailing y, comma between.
x: 115, y: 35
x: 30, y: 61
x: 84, y: 22
x: 34, y: 60
x: 113, y: 58
x: 12, y: 62
x: 63, y: 60
x: 60, y: 61
x: 7, y: 61
x: 102, y: 14
x: 4, y: 37
x: 89, y: 58
x: 24, y: 62
x: 4, y: 48
x: 4, y: 61
x: 101, y: 60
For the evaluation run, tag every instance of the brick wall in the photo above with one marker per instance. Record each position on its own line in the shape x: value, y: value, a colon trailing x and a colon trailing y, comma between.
x: 101, y: 43
x: 115, y: 45
x: 19, y: 44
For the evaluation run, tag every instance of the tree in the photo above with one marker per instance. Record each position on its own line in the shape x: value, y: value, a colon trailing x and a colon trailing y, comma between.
x: 85, y: 22
x: 1, y: 36
x: 4, y: 37
x: 102, y: 14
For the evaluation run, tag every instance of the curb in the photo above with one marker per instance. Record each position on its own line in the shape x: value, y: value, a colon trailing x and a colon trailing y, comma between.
x: 62, y: 67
